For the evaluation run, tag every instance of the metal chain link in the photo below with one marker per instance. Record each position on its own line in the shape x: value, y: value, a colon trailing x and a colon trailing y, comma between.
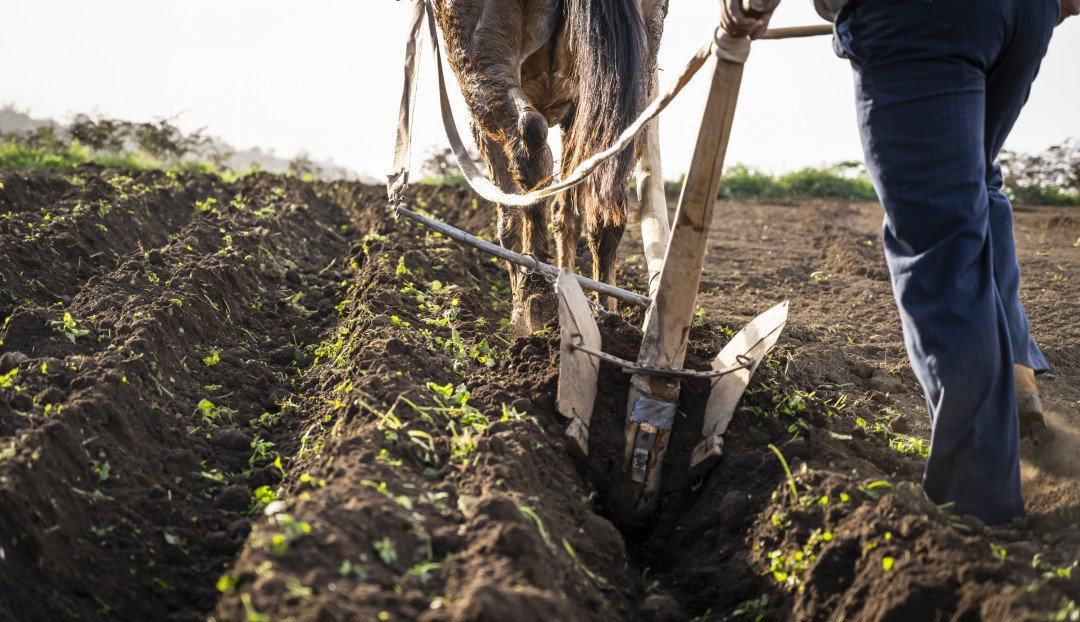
x: 743, y: 362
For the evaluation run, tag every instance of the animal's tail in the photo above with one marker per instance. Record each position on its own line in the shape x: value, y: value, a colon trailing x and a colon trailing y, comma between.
x: 607, y: 38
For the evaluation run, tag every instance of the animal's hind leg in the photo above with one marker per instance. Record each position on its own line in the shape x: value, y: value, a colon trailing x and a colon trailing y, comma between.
x: 566, y: 225
x: 541, y: 305
x: 522, y: 230
x: 604, y: 244
x: 533, y: 167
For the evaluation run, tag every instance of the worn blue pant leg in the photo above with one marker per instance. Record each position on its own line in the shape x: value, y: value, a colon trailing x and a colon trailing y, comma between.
x: 1008, y: 83
x: 1007, y: 275
x: 921, y: 76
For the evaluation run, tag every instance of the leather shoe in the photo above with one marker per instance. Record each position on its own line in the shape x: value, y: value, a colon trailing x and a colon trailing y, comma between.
x: 1027, y: 401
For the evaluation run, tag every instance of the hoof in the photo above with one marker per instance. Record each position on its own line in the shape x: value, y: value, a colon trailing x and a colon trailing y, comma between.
x: 541, y: 310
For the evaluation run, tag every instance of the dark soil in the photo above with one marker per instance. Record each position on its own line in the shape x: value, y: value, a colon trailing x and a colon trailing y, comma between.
x: 266, y: 399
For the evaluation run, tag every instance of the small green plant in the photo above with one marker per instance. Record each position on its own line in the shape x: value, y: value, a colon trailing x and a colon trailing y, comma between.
x: 600, y: 582
x: 653, y: 587
x: 1069, y: 611
x: 509, y: 413
x: 226, y: 583
x: 426, y: 444
x: 384, y: 456
x: 1062, y: 572
x: 787, y: 470
x: 386, y: 550
x: 382, y: 489
x: 291, y: 530
x: 101, y: 470
x: 464, y: 422
x: 462, y: 443
x: 531, y: 514
x: 252, y: 614
x: 753, y: 609
x: 901, y: 443
x: 437, y: 500
x: 872, y: 489
x: 209, y: 416
x: 789, y: 569
x: 260, y: 452
x: 264, y: 496
x: 423, y: 571
x: 207, y: 206
x: 7, y: 381
x: 909, y: 445
x: 699, y: 317
x: 211, y: 360
x: 69, y: 327
x: 348, y: 569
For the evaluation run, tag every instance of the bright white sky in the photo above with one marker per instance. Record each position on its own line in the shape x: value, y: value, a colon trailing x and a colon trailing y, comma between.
x: 325, y: 77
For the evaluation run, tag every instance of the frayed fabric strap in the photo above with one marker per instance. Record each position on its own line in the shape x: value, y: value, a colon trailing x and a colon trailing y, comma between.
x: 731, y: 49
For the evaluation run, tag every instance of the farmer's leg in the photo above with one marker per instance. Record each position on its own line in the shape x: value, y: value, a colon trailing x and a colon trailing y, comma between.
x: 920, y: 74
x: 1008, y: 83
x: 1007, y: 275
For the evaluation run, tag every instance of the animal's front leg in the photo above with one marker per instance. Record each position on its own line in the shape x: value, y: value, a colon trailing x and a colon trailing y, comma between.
x: 522, y: 230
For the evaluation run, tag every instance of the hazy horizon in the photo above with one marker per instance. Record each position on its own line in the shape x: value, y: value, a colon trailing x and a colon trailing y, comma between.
x: 282, y: 77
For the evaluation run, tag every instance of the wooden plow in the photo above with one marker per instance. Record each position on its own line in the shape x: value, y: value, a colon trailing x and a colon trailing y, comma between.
x: 658, y: 371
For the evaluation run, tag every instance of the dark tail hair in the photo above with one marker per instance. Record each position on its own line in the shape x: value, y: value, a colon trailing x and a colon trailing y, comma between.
x: 607, y: 38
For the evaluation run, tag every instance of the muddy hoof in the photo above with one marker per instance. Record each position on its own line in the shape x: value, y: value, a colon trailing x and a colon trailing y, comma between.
x: 540, y: 309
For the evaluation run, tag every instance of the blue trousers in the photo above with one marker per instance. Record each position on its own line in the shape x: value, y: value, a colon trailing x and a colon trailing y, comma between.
x: 939, y: 85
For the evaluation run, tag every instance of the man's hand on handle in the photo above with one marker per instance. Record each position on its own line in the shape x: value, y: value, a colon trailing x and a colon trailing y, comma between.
x: 737, y: 23
x: 1069, y: 8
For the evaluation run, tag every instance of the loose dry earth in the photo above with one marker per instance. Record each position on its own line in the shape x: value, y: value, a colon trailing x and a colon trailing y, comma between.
x: 246, y: 401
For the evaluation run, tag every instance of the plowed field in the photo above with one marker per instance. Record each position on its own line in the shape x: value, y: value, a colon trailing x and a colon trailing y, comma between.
x: 268, y: 400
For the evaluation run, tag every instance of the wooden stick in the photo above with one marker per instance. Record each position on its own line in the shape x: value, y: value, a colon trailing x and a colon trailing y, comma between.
x: 669, y: 318
x: 519, y: 259
x: 796, y: 32
x: 652, y: 199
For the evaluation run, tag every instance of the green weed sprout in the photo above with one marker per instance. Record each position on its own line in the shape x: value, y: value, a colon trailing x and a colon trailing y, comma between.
x: 69, y: 327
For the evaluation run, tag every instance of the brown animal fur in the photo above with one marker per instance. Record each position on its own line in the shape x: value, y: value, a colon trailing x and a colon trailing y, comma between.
x: 527, y: 65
